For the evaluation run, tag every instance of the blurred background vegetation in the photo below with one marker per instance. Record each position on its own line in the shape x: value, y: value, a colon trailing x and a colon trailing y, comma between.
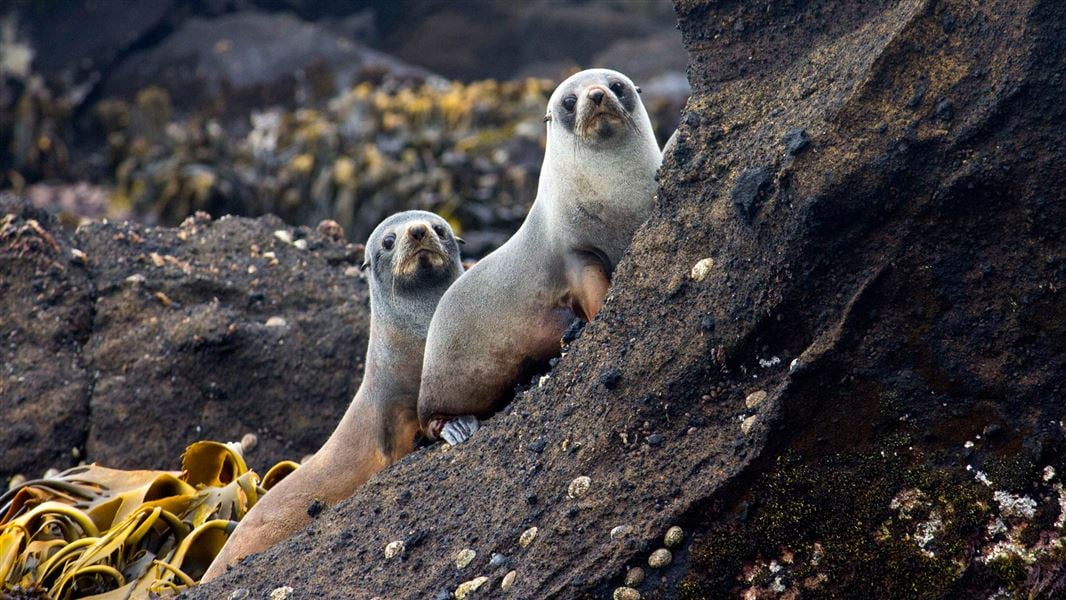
x: 309, y: 109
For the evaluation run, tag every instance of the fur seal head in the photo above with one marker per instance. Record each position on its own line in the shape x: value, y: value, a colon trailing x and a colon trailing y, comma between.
x: 409, y: 253
x: 599, y: 107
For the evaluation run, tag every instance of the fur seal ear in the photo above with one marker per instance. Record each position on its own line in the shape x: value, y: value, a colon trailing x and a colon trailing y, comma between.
x: 365, y: 265
x: 639, y: 91
x: 460, y: 240
x: 547, y: 117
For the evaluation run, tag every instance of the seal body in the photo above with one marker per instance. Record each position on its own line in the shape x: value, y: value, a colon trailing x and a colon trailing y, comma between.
x: 506, y: 314
x: 412, y: 258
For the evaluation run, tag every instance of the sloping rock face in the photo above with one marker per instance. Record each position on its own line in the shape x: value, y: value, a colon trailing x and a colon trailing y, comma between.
x: 860, y: 395
x: 123, y: 344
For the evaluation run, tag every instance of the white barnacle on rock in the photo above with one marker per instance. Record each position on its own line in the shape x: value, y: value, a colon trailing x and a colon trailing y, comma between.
x: 469, y: 587
x: 579, y: 487
x: 773, y: 361
x: 926, y: 531
x: 527, y: 537
x: 1049, y: 473
x: 1010, y: 505
x: 464, y: 558
x: 702, y: 269
x: 393, y: 549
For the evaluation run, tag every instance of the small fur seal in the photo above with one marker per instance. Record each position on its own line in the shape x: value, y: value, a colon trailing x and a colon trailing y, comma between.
x: 507, y: 313
x: 412, y: 258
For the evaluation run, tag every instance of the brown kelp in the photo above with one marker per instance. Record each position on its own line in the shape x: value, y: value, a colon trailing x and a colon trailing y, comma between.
x: 92, y: 531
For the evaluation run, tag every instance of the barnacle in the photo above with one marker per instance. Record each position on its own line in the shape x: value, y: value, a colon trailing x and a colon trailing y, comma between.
x: 120, y: 534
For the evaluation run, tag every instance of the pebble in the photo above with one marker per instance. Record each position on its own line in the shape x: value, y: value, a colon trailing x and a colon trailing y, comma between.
x: 79, y: 256
x: 393, y: 549
x: 579, y: 487
x: 626, y: 593
x: 655, y: 439
x: 352, y: 271
x: 498, y: 560
x: 75, y: 453
x: 283, y: 235
x: 634, y: 577
x: 527, y: 537
x: 464, y: 558
x: 702, y: 269
x: 135, y: 279
x: 466, y: 588
x: 248, y: 442
x: 239, y: 594
x: 281, y: 593
x: 508, y: 580
x: 300, y: 244
x: 796, y: 141
x: 794, y: 366
x: 755, y: 398
x: 276, y: 322
x: 15, y: 481
x: 747, y: 424
x: 621, y: 531
x: 673, y: 537
x: 50, y: 473
x: 660, y: 558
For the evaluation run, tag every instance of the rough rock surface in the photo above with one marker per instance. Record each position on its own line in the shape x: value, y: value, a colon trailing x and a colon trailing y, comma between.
x: 895, y: 289
x: 163, y: 336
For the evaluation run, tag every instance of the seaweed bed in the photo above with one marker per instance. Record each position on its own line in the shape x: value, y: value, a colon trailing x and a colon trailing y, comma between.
x: 859, y: 394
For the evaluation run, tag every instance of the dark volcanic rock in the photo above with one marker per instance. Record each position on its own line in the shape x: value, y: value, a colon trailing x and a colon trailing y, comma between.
x: 46, y: 317
x: 165, y: 336
x: 916, y: 274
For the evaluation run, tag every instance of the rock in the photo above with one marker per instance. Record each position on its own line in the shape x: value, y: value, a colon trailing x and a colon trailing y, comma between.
x: 579, y: 487
x: 610, y: 378
x: 527, y: 537
x: 281, y: 593
x: 634, y: 577
x: 660, y: 558
x: 15, y: 481
x: 498, y: 560
x: 538, y: 445
x: 749, y: 190
x: 673, y: 537
x: 702, y: 269
x: 620, y: 531
x: 469, y: 587
x: 315, y: 508
x: 464, y: 557
x: 276, y: 322
x: 239, y: 594
x: 393, y: 549
x: 655, y: 439
x: 625, y: 593
x: 796, y: 141
x: 508, y: 580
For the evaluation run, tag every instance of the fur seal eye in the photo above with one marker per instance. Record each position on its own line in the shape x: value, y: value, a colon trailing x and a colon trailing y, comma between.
x: 618, y: 89
x: 389, y: 241
x: 437, y: 229
x: 570, y: 102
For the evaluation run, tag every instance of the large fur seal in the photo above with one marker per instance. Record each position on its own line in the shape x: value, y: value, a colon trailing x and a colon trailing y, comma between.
x: 412, y: 257
x: 508, y: 311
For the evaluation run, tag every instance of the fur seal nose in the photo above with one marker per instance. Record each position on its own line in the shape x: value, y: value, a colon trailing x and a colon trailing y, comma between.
x: 596, y: 94
x: 417, y: 231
